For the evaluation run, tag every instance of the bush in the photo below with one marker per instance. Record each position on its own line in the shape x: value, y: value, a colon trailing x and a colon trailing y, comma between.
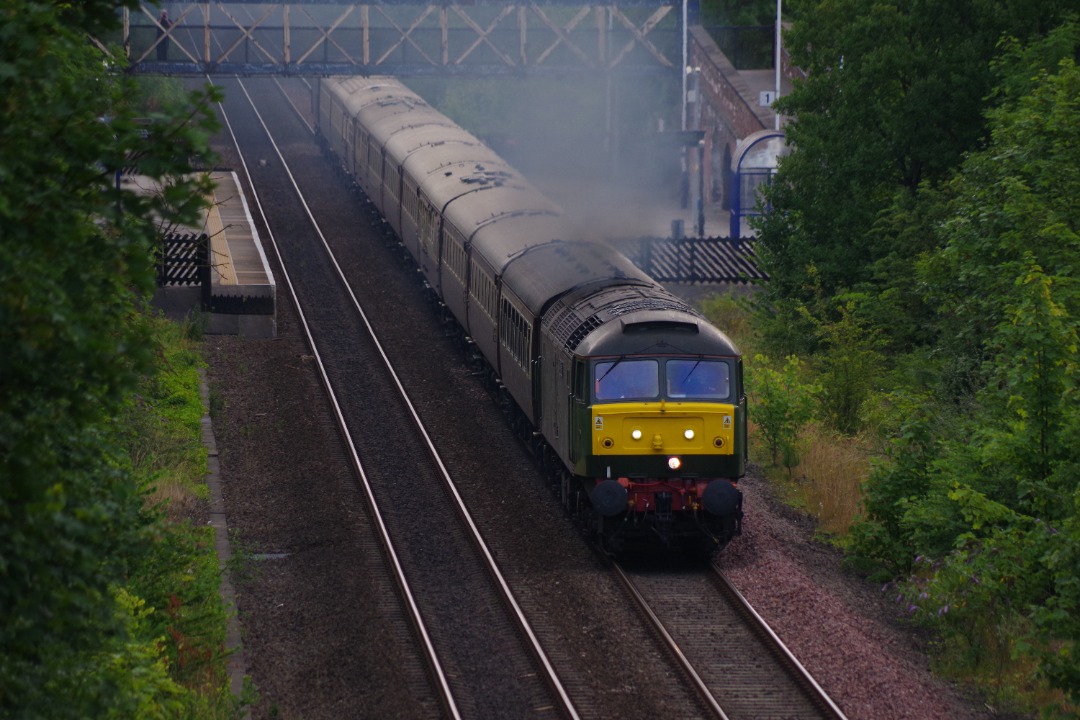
x: 781, y: 405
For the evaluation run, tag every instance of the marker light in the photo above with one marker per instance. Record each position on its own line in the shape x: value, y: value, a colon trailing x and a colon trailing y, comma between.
x: 674, y: 463
x: 688, y: 434
x: 635, y: 433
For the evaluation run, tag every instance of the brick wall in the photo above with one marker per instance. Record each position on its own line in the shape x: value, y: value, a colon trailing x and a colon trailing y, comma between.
x: 730, y: 111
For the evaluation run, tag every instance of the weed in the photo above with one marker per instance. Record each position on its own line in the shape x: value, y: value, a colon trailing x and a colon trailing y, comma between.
x: 829, y: 477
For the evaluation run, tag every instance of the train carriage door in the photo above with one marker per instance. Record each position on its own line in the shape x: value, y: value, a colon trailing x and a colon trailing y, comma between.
x: 428, y: 238
x: 349, y: 157
x: 426, y: 228
x: 577, y: 401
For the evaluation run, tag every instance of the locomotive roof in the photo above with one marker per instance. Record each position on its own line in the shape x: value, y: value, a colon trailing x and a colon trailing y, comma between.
x: 665, y: 332
x: 626, y: 319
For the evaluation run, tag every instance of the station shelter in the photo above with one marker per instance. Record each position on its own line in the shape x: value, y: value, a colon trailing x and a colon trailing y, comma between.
x: 753, y: 164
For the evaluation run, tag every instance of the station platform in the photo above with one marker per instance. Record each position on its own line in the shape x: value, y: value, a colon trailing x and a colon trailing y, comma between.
x: 243, y: 293
x: 227, y: 252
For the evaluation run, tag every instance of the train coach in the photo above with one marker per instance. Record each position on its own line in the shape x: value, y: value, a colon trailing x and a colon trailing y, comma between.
x: 624, y: 392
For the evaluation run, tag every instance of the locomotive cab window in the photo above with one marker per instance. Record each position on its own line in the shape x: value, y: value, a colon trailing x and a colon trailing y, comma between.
x: 624, y: 379
x: 697, y: 378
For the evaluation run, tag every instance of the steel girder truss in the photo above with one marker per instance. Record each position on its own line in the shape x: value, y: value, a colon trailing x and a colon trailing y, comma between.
x: 313, y: 38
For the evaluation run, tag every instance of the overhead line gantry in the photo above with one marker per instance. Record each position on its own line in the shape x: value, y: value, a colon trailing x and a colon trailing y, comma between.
x: 405, y: 37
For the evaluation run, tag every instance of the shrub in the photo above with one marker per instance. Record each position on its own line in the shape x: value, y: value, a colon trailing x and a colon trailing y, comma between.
x: 781, y: 405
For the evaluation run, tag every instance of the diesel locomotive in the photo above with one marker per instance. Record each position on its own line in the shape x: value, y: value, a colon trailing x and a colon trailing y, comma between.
x: 624, y: 392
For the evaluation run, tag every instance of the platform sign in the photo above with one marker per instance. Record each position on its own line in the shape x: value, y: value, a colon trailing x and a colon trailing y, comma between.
x: 766, y: 97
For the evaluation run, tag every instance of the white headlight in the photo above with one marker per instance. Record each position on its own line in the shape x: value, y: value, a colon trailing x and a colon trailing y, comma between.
x: 635, y: 433
x: 688, y: 434
x: 674, y: 463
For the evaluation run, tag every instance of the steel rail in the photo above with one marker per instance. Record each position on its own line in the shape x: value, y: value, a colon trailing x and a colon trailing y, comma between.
x: 800, y: 674
x: 568, y: 709
x: 802, y: 678
x: 695, y: 679
x: 446, y: 697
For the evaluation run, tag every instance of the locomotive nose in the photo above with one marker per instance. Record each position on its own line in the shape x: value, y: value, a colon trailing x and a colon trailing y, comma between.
x: 721, y: 498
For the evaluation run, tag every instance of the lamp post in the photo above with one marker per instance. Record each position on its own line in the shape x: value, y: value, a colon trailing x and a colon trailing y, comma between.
x: 696, y: 179
x: 685, y: 59
x: 777, y: 43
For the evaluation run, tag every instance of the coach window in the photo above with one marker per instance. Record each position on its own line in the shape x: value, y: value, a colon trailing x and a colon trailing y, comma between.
x: 697, y: 378
x: 627, y: 379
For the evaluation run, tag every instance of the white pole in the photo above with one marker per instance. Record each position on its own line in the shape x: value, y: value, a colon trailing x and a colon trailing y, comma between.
x: 776, y: 114
x: 685, y: 62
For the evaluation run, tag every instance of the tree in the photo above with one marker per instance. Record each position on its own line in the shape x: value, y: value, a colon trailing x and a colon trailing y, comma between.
x: 783, y: 405
x: 738, y: 12
x: 76, y: 266
x: 894, y: 96
x: 1013, y: 206
x: 996, y: 506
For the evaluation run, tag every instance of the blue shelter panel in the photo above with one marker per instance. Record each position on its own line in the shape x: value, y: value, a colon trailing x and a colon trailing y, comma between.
x: 752, y: 166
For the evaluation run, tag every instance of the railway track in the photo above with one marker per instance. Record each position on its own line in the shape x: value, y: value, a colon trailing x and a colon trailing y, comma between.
x: 737, y: 663
x: 467, y: 656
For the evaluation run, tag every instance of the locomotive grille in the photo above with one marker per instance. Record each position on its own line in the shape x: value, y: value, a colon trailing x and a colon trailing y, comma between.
x: 569, y: 327
x: 591, y: 323
x: 630, y: 306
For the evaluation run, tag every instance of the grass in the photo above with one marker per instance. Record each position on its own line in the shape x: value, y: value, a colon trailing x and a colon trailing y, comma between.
x: 828, y: 479
x: 989, y: 659
x: 164, y: 425
x: 179, y: 581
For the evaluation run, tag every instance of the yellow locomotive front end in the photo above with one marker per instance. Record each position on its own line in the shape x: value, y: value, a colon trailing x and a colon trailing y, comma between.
x: 675, y: 432
x: 667, y: 444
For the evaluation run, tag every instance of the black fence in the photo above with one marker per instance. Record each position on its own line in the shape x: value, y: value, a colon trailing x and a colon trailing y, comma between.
x: 699, y: 260
x: 183, y: 260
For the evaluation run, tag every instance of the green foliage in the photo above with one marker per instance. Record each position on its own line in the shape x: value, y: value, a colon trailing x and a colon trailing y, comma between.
x: 881, y: 544
x: 1035, y: 396
x: 1057, y: 616
x: 922, y: 249
x: 992, y: 500
x: 734, y: 316
x: 162, y: 424
x: 177, y: 582
x: 1004, y: 599
x: 849, y: 365
x: 1013, y: 208
x: 139, y: 665
x: 740, y: 12
x: 854, y: 200
x: 783, y: 405
x: 76, y: 264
